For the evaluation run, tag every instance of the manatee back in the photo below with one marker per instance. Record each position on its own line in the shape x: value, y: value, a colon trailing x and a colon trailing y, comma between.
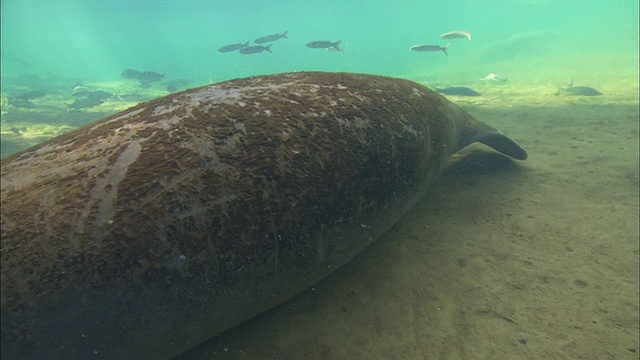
x: 181, y: 217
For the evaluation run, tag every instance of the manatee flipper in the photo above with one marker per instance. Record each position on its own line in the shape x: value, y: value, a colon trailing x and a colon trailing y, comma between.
x: 476, y: 131
x: 501, y: 143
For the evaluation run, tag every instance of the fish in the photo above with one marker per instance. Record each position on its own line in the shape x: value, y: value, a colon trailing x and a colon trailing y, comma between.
x: 272, y: 37
x: 457, y: 35
x: 458, y: 90
x: 578, y: 91
x: 30, y: 95
x: 430, y: 48
x: 174, y: 85
x: 80, y: 91
x: 78, y: 104
x: 21, y: 103
x: 147, y: 232
x: 146, y: 78
x: 233, y: 47
x: 18, y: 131
x: 492, y: 77
x: 15, y: 59
x: 321, y: 44
x: 100, y: 95
x: 130, y: 74
x: 255, y: 49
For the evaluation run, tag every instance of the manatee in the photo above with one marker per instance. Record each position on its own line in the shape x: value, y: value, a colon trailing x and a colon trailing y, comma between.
x: 145, y: 233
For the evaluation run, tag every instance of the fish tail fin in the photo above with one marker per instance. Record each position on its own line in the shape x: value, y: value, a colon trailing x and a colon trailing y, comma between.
x: 569, y: 81
x: 336, y: 45
x: 268, y: 48
x: 444, y: 49
x: 284, y: 34
x: 469, y: 35
x: 68, y: 107
x: 246, y: 44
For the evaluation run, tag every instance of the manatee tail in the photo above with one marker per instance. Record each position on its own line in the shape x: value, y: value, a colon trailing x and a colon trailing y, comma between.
x: 503, y: 144
x: 476, y: 131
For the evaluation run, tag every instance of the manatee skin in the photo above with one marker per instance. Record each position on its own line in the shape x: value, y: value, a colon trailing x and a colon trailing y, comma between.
x: 145, y: 233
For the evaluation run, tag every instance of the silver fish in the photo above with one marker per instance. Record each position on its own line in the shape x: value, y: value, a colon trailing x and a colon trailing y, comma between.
x: 83, y: 103
x: 322, y: 44
x: 272, y: 37
x: 457, y: 35
x: 492, y: 77
x: 233, y: 47
x: 101, y: 95
x: 430, y: 48
x: 255, y: 49
x: 81, y: 91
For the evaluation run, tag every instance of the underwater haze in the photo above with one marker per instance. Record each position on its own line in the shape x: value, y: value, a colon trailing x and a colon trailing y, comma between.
x: 500, y: 260
x: 96, y: 40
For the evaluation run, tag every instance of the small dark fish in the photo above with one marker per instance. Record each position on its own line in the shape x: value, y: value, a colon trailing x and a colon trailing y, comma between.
x: 430, y: 48
x: 148, y: 77
x: 233, y: 47
x: 21, y: 103
x: 30, y: 95
x: 255, y: 49
x: 321, y: 44
x: 578, y: 91
x: 272, y: 37
x: 174, y: 85
x: 181, y: 82
x: 457, y: 35
x: 130, y: 74
x: 18, y: 131
x: 16, y: 59
x: 83, y: 103
x: 458, y: 90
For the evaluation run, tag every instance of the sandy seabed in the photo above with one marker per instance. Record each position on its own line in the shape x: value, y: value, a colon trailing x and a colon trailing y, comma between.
x: 501, y: 260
